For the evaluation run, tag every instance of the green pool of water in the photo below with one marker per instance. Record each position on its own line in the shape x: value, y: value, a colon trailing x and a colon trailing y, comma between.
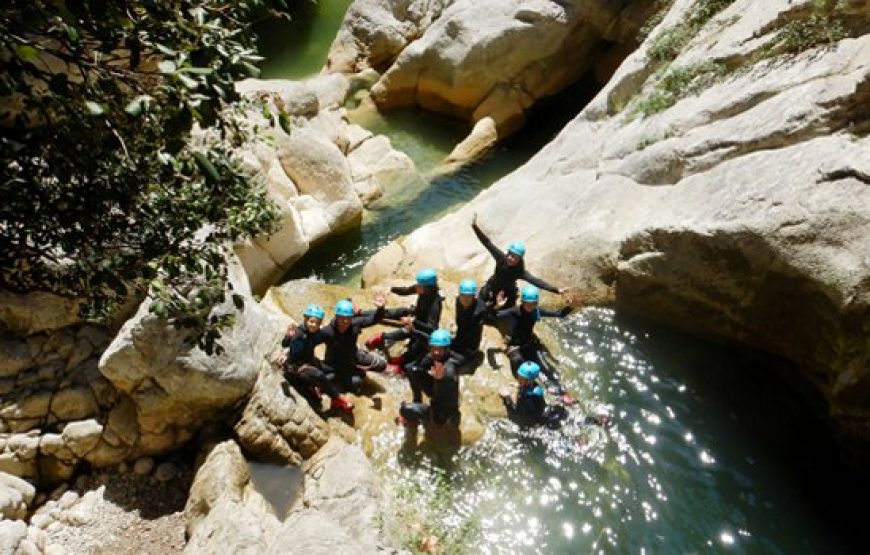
x: 297, y: 48
x: 708, y: 453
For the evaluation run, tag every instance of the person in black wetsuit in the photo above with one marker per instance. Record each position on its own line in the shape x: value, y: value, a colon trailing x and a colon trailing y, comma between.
x: 524, y: 345
x: 509, y: 267
x: 437, y: 375
x: 425, y: 314
x: 345, y: 363
x: 530, y: 408
x: 302, y: 369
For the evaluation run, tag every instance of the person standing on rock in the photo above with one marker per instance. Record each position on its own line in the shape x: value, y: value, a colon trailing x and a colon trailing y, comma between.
x: 345, y: 363
x: 424, y: 315
x: 523, y: 344
x: 509, y: 267
x: 437, y: 375
x: 302, y: 369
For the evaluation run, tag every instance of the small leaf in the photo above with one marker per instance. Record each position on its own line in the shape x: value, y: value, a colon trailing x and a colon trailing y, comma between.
x: 138, y: 105
x: 26, y: 53
x: 206, y: 166
x: 191, y: 84
x: 239, y: 301
x: 166, y: 66
x: 165, y: 49
x: 95, y: 108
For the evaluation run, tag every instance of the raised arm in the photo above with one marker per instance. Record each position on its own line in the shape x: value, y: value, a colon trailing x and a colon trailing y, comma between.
x: 406, y: 290
x: 534, y: 280
x: 487, y: 243
x: 547, y: 313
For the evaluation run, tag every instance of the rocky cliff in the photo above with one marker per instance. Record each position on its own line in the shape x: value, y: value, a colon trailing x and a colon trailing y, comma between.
x: 718, y: 183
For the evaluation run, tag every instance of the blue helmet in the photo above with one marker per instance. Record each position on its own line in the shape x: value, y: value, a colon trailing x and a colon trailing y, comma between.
x: 439, y: 338
x: 344, y: 308
x: 529, y: 370
x: 518, y: 248
x: 530, y: 294
x: 313, y: 310
x: 467, y: 287
x: 427, y: 277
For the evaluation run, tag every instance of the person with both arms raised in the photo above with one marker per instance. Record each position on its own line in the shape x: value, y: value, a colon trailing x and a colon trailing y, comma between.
x: 301, y: 367
x: 509, y: 267
x: 524, y: 345
x: 437, y: 375
x: 344, y: 362
x: 423, y: 315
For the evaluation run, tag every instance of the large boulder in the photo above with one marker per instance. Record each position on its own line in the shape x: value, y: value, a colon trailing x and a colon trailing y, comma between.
x: 740, y: 211
x: 375, y: 31
x: 277, y: 425
x: 318, y: 169
x: 176, y: 387
x: 496, y: 59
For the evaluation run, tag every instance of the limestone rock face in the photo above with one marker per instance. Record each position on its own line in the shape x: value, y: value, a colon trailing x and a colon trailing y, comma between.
x: 224, y: 513
x: 318, y: 169
x: 277, y: 425
x: 16, y: 495
x: 375, y: 31
x: 736, y: 208
x: 496, y: 59
x: 176, y: 388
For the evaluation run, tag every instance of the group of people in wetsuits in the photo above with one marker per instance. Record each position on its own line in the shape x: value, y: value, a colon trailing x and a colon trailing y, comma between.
x: 433, y: 358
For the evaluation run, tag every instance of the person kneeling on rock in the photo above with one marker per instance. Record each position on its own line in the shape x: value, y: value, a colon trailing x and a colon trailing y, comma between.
x: 345, y: 363
x: 437, y: 375
x: 302, y: 369
x: 530, y: 408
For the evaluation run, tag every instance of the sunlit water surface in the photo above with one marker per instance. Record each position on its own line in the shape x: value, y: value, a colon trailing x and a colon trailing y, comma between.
x: 707, y: 452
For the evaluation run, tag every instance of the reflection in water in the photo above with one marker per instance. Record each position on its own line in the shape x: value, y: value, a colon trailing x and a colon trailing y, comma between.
x: 280, y: 485
x: 695, y: 461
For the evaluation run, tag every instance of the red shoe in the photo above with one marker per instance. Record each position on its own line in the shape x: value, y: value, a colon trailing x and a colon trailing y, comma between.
x: 375, y: 342
x: 395, y: 370
x: 341, y: 403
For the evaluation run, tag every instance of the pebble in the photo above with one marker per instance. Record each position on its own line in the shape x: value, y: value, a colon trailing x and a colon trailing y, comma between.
x: 41, y: 520
x: 165, y: 472
x: 143, y: 466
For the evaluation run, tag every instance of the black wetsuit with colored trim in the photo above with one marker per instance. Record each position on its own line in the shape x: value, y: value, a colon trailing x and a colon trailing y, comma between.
x: 530, y: 408
x: 505, y: 277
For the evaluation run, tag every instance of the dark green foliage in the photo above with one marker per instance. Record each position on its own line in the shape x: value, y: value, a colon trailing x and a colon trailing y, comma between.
x: 102, y: 191
x: 679, y: 83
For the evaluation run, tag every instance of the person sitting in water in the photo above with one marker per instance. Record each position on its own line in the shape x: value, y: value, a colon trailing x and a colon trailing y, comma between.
x: 509, y: 267
x: 425, y: 314
x: 345, y: 363
x: 523, y: 344
x: 437, y: 375
x: 302, y: 369
x: 530, y: 408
